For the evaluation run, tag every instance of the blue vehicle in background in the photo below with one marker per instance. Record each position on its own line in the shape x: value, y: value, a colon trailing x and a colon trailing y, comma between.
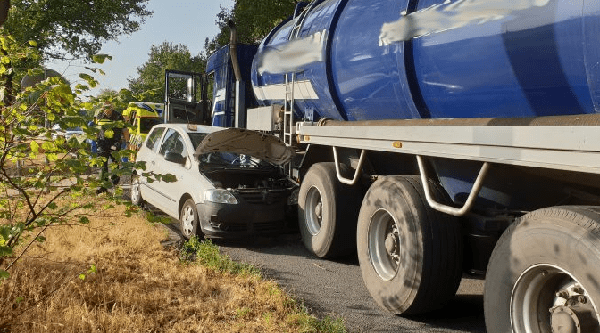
x: 436, y: 138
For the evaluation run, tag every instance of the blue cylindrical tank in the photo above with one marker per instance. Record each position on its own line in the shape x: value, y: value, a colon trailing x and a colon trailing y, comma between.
x: 391, y: 59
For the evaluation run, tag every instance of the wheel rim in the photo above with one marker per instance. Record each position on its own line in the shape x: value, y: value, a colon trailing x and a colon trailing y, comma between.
x: 384, y: 244
x: 546, y: 299
x: 314, y: 210
x: 187, y: 220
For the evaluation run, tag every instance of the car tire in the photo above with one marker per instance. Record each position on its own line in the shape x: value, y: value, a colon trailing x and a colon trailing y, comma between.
x: 327, y: 212
x: 541, y: 258
x: 188, y: 220
x: 135, y: 195
x: 410, y: 255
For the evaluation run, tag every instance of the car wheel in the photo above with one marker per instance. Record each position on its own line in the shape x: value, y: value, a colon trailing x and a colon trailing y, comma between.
x: 134, y: 193
x: 410, y: 255
x: 544, y: 274
x: 188, y: 219
x: 327, y: 212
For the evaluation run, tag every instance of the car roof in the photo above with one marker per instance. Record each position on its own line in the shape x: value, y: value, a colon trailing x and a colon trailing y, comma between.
x: 192, y: 128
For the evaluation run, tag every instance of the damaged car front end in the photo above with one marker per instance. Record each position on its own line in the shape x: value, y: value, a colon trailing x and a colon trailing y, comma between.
x: 229, y: 183
x: 250, y: 193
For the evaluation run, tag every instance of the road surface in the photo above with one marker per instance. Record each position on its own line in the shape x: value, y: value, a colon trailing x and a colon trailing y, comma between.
x: 336, y: 288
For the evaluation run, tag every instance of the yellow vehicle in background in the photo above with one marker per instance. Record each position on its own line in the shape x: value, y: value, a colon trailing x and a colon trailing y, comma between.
x: 141, y: 116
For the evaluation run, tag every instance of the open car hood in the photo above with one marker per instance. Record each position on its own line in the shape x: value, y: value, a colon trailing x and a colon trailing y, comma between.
x: 243, y: 141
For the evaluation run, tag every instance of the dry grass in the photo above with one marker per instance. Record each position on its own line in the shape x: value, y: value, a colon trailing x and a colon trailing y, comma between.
x: 138, y: 286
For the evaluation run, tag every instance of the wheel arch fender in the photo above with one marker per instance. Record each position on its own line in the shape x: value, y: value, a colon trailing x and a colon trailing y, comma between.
x: 317, y: 153
x: 183, y: 199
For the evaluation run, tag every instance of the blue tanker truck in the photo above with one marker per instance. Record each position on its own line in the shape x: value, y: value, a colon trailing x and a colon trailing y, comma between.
x: 436, y: 138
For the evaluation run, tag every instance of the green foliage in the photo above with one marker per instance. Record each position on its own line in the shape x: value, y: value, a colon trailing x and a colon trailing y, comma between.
x: 77, y: 27
x: 91, y: 270
x: 326, y: 325
x: 14, y: 55
x: 119, y: 99
x: 243, y: 312
x: 330, y: 324
x: 159, y: 219
x: 149, y: 85
x: 254, y: 19
x: 100, y: 58
x: 43, y: 174
x: 207, y: 254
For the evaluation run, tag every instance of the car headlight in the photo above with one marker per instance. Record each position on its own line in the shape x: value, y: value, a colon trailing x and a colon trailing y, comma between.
x: 220, y: 196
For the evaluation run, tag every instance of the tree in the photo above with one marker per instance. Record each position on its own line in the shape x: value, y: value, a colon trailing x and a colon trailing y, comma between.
x: 222, y: 38
x: 150, y: 83
x: 75, y: 28
x: 4, y: 6
x: 43, y: 175
x: 254, y: 19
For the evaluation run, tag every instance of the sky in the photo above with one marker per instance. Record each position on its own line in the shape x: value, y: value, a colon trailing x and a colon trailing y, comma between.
x: 187, y: 22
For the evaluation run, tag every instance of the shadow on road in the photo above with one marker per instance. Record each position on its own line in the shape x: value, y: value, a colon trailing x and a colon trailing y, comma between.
x: 464, y: 312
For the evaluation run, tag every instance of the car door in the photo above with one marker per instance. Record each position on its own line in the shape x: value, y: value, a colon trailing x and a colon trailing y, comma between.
x: 148, y: 154
x: 174, y: 186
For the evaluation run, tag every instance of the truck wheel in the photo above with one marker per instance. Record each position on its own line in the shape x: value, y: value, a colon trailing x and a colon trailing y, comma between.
x: 410, y: 255
x: 134, y: 192
x: 188, y: 220
x: 327, y: 211
x: 544, y: 274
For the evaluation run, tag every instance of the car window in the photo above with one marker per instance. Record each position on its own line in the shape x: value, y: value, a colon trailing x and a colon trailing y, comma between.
x: 173, y: 142
x: 147, y: 123
x: 233, y: 160
x: 154, y: 137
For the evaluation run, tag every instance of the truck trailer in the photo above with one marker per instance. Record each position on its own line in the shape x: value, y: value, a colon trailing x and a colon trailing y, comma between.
x: 436, y: 138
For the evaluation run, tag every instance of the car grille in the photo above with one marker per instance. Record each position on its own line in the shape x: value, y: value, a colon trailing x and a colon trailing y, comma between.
x: 263, y: 196
x: 262, y: 227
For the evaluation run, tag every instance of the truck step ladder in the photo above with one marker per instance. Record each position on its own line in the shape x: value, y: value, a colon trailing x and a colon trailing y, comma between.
x: 289, y: 129
x: 288, y: 111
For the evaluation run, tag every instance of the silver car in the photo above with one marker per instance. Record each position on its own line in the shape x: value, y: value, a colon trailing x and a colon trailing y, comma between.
x: 218, y: 182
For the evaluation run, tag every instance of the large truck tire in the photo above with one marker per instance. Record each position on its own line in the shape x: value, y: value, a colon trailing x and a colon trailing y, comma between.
x: 544, y: 273
x: 327, y: 212
x: 410, y: 255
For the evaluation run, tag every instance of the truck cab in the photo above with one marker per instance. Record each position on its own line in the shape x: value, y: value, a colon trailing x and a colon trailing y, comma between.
x: 186, y: 98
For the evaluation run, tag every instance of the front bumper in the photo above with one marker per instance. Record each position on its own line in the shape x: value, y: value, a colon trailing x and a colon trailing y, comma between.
x: 219, y: 220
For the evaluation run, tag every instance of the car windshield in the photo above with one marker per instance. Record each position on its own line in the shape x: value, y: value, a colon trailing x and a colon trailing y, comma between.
x: 197, y: 138
x: 147, y: 123
x: 232, y: 160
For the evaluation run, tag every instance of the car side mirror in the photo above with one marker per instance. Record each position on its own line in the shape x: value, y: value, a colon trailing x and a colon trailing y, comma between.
x: 175, y: 158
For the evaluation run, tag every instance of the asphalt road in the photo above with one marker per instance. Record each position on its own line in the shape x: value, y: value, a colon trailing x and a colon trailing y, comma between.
x: 336, y: 287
